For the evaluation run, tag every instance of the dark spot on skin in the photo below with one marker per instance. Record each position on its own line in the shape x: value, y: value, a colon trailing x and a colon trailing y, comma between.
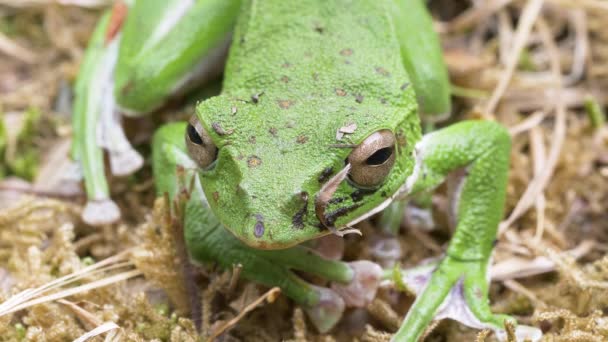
x: 383, y: 71
x: 286, y: 65
x: 337, y: 200
x: 359, y: 194
x: 219, y: 130
x: 298, y: 218
x: 319, y: 28
x: 346, y: 52
x: 258, y: 229
x: 340, y: 92
x: 285, y: 104
x: 404, y: 86
x: 359, y: 98
x: 273, y: 131
x: 216, y: 196
x: 285, y: 79
x: 254, y: 161
x: 324, y: 176
x: 252, y: 139
x: 301, y: 139
x: 331, y: 217
x: 255, y: 98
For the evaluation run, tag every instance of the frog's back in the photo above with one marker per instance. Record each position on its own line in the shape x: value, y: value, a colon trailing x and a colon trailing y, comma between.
x: 340, y: 50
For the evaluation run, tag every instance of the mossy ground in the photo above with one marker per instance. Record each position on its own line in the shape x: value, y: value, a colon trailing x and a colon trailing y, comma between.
x: 559, y: 175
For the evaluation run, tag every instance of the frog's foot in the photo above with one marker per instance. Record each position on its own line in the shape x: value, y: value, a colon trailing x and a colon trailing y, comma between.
x: 361, y: 290
x: 455, y: 289
x: 358, y: 292
x: 101, y: 211
x: 326, y: 313
x: 353, y: 284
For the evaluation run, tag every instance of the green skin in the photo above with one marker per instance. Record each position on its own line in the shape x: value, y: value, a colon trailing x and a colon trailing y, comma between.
x: 296, y: 73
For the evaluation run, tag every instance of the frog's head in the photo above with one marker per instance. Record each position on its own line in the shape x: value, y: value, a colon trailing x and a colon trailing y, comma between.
x: 278, y: 172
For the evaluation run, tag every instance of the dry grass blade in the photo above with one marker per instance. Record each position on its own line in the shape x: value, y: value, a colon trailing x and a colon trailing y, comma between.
x: 13, y: 49
x: 540, y: 181
x: 529, y: 15
x: 270, y: 295
x: 26, y: 298
x: 476, y: 14
x: 73, y: 291
x: 586, y: 4
x: 102, y: 329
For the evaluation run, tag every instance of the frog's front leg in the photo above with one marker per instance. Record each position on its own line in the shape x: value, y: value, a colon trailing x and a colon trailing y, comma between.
x: 353, y: 284
x: 481, y: 149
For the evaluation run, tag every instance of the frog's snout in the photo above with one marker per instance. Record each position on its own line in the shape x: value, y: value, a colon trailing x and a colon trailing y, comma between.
x: 276, y: 221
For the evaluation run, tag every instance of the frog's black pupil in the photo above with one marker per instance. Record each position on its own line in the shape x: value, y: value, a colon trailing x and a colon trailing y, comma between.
x: 193, y: 135
x: 380, y: 156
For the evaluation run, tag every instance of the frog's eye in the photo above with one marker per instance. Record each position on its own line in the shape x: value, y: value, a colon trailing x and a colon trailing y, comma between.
x: 373, y: 159
x: 199, y: 143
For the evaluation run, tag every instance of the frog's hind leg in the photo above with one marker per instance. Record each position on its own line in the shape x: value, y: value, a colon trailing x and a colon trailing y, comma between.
x: 458, y: 285
x: 97, y: 125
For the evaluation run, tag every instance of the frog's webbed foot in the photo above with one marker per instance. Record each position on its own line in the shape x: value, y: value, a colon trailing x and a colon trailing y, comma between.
x: 358, y: 292
x: 458, y: 290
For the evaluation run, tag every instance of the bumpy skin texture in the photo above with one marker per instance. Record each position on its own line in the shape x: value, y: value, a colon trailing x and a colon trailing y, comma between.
x: 298, y: 72
x: 314, y: 67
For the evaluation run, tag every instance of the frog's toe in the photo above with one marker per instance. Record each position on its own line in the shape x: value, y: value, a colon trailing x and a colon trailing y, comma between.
x: 467, y: 300
x: 125, y: 162
x: 361, y: 290
x: 328, y: 311
x: 100, y: 212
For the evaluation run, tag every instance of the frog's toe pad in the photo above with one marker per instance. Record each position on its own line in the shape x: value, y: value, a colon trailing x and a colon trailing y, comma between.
x: 100, y: 212
x: 362, y: 289
x: 126, y: 162
x: 328, y: 311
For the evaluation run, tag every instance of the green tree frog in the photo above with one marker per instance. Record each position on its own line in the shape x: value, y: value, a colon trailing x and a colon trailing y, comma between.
x: 316, y: 128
